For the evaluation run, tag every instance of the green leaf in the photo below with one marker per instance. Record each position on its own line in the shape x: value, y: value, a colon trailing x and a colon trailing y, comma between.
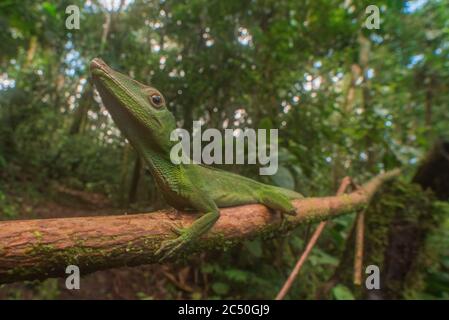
x: 50, y: 8
x: 236, y: 275
x: 220, y: 288
x: 341, y: 292
x: 323, y: 258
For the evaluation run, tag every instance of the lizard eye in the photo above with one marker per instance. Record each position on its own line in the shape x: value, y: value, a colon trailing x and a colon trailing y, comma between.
x: 156, y: 100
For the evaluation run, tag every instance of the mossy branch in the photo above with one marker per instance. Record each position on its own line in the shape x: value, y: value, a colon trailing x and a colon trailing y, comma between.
x: 43, y: 248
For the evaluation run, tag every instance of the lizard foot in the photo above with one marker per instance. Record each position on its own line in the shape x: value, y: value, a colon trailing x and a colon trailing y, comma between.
x: 177, y: 229
x: 285, y: 217
x: 277, y: 201
x: 171, y: 247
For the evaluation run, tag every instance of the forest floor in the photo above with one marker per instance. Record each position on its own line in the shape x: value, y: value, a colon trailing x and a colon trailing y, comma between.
x: 143, y: 282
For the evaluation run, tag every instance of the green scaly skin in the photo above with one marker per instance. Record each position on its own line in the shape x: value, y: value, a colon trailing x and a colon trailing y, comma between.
x: 140, y: 113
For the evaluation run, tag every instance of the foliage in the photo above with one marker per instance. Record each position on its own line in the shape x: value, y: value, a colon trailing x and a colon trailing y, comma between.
x: 346, y: 100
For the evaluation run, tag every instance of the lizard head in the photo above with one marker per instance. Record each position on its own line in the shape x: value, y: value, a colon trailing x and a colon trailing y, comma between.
x: 138, y: 110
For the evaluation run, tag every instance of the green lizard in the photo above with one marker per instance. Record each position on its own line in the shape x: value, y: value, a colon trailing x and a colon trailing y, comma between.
x: 141, y: 114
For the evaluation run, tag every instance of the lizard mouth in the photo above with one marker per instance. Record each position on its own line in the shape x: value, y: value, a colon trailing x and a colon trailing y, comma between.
x: 102, y: 72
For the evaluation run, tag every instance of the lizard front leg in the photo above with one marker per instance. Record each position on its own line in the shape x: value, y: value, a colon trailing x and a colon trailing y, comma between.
x: 276, y: 201
x: 210, y: 215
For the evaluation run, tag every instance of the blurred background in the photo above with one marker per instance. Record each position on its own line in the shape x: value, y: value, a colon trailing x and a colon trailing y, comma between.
x: 347, y: 100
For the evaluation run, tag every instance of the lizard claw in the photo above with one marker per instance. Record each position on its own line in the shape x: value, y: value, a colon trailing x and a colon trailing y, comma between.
x: 171, y: 247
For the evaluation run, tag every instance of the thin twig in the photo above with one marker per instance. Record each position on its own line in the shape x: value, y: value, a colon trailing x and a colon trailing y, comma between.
x: 358, y: 257
x: 345, y: 183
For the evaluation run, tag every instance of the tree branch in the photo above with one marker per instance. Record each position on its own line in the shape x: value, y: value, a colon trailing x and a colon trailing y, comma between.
x: 42, y: 248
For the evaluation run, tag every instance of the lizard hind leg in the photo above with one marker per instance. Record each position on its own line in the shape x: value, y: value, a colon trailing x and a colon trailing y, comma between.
x: 187, y: 235
x: 277, y: 201
x: 171, y: 247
